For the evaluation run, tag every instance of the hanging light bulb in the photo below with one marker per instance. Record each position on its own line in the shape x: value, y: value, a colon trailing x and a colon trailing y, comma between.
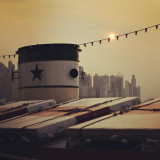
x: 146, y: 30
x: 126, y: 35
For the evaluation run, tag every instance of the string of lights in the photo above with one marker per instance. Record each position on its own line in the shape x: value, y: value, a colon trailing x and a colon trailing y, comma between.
x: 117, y: 37
x: 9, y: 56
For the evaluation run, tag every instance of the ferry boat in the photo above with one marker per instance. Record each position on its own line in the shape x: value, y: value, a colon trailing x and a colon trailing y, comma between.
x: 49, y: 121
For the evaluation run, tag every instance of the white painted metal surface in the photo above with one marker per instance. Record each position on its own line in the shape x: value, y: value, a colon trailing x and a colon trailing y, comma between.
x: 125, y: 125
x: 41, y: 106
x: 13, y: 105
x: 54, y: 73
x: 39, y: 126
x: 89, y: 101
x: 123, y: 103
x: 52, y: 127
x: 24, y: 121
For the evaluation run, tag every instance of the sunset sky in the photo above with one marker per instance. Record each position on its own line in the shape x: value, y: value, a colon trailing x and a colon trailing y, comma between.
x: 29, y: 22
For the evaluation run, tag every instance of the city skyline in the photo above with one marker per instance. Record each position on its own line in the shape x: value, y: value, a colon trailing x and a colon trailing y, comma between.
x: 99, y: 86
x: 39, y: 22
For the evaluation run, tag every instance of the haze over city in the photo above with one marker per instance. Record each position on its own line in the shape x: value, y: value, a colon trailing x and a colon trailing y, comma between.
x: 30, y: 22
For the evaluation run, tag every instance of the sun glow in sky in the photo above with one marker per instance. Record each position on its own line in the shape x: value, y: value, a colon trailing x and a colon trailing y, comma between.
x: 29, y: 22
x: 112, y: 36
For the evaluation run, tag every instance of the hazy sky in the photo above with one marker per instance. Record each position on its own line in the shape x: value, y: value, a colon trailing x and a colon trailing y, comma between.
x: 29, y: 22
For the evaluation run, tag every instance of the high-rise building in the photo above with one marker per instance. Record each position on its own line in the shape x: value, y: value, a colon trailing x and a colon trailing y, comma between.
x: 8, y: 86
x: 96, y: 85
x: 85, y: 84
x: 130, y: 90
x: 104, y: 90
x: 133, y: 81
x: 119, y: 84
x: 101, y: 85
x: 104, y: 86
x: 133, y: 85
x: 127, y: 89
x: 113, y: 88
x: 139, y: 91
x: 135, y: 91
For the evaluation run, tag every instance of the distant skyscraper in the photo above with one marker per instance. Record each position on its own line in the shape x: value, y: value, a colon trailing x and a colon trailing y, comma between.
x: 104, y: 85
x: 93, y: 92
x: 130, y: 90
x: 104, y: 89
x: 133, y: 81
x: 119, y: 84
x: 112, y: 86
x: 96, y: 85
x: 85, y: 84
x: 139, y: 91
x: 8, y: 88
x: 101, y: 85
x: 127, y: 88
x: 83, y: 92
x: 135, y: 91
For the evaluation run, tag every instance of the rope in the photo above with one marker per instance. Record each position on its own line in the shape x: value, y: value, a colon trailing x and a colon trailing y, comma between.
x: 117, y: 36
x: 141, y: 109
